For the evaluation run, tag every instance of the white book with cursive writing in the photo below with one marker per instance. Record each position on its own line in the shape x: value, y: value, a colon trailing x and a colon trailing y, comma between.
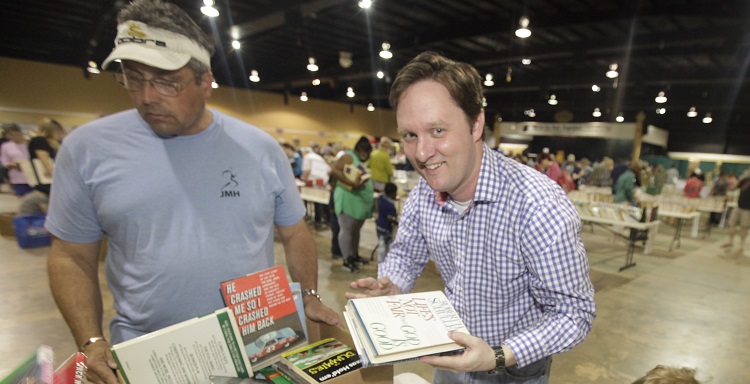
x: 398, y: 328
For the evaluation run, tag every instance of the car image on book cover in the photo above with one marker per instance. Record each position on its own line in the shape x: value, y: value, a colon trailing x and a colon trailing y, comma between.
x: 399, y: 328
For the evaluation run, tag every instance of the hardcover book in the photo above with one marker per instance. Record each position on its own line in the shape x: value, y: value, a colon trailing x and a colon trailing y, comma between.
x: 322, y: 361
x: 188, y: 352
x: 266, y: 313
x: 398, y: 328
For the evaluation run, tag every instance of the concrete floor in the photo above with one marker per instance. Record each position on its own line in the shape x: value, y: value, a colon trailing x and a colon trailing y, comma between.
x: 688, y: 307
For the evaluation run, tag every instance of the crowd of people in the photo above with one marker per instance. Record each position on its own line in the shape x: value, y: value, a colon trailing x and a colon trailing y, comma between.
x: 18, y: 150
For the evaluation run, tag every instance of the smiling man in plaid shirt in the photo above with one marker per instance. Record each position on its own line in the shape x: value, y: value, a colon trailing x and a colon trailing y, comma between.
x: 505, y: 238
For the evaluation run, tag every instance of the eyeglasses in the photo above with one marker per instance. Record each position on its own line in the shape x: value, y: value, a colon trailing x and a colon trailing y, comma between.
x: 135, y: 83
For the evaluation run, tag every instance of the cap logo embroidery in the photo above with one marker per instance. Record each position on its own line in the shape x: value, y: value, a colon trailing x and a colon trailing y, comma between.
x: 135, y: 31
x: 136, y: 35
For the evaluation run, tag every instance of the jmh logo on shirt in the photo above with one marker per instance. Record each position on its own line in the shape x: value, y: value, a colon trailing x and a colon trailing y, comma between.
x: 228, y: 190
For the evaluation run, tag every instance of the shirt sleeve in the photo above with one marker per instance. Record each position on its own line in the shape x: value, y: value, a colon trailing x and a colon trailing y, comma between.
x: 408, y: 254
x: 71, y: 215
x: 560, y: 283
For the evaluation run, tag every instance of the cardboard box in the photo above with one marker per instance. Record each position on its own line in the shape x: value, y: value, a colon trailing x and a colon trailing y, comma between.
x: 6, y: 224
x: 374, y: 375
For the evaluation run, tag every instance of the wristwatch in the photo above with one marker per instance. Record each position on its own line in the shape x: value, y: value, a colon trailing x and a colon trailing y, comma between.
x: 311, y: 292
x: 499, y: 361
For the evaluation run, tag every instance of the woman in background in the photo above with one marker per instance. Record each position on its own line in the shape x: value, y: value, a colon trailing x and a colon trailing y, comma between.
x: 44, y: 148
x: 12, y: 153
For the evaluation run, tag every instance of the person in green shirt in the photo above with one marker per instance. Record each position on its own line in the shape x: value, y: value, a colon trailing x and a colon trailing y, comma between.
x: 380, y: 164
x: 353, y: 199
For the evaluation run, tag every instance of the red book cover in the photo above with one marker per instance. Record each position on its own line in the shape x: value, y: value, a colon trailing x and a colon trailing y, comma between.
x: 266, y: 314
x: 72, y: 370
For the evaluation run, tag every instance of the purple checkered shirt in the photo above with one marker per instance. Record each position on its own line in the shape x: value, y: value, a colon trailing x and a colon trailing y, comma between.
x: 514, y: 264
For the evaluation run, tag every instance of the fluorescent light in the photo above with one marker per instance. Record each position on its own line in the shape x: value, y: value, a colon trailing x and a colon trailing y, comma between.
x: 210, y: 11
x: 311, y: 66
x: 612, y: 73
x: 661, y: 98
x: 523, y: 31
x: 385, y: 53
x: 488, y: 80
x: 254, y: 76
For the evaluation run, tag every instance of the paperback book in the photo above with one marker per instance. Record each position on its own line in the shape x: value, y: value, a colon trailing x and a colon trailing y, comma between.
x: 398, y: 328
x: 354, y: 174
x: 72, y: 370
x: 188, y: 352
x: 37, y: 368
x: 321, y: 361
x: 266, y: 313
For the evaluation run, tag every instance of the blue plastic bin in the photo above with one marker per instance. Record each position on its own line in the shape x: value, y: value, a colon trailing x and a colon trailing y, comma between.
x: 30, y: 231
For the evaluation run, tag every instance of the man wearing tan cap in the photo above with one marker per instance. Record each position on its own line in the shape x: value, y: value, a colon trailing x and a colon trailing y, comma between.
x: 188, y: 197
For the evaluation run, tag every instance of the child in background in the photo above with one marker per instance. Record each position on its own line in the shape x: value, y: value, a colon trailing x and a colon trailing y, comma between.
x: 387, y: 218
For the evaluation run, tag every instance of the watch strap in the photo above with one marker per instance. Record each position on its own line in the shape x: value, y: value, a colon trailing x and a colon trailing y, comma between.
x: 311, y: 292
x: 91, y: 341
x: 499, y: 360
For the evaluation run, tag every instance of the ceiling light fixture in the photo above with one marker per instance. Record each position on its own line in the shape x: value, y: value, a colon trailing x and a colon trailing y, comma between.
x: 692, y: 112
x: 214, y: 85
x: 661, y: 111
x: 661, y: 98
x: 316, y: 82
x: 612, y: 73
x: 350, y: 91
x: 708, y: 119
x: 303, y: 96
x: 508, y: 75
x: 526, y: 61
x: 596, y: 88
x: 365, y: 4
x: 254, y: 76
x: 596, y: 113
x: 345, y: 59
x: 208, y: 9
x: 484, y: 102
x: 311, y: 66
x: 619, y: 118
x: 488, y: 80
x: 370, y: 107
x: 236, y: 44
x: 523, y: 32
x: 93, y: 68
x: 529, y: 112
x: 385, y: 53
x: 552, y: 99
x: 381, y: 74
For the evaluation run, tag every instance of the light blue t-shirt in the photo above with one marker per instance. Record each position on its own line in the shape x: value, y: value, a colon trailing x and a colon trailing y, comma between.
x: 182, y: 214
